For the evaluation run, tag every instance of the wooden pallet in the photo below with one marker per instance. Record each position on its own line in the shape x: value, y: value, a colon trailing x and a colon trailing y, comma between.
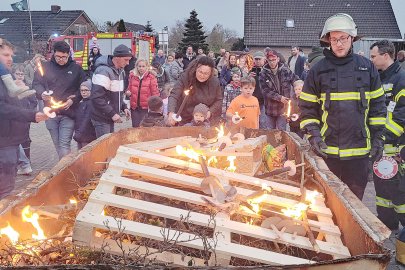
x: 122, y: 173
x: 248, y: 152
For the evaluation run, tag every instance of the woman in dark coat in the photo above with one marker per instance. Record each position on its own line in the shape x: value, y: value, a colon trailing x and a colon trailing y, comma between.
x: 204, y: 88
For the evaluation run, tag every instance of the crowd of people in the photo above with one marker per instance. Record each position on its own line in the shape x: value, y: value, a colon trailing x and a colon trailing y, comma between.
x: 351, y: 109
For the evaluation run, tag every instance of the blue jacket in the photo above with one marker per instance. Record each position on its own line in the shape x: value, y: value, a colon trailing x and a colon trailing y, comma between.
x: 84, y: 129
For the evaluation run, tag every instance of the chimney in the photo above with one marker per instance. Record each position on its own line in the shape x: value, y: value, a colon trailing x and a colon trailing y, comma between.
x: 55, y: 9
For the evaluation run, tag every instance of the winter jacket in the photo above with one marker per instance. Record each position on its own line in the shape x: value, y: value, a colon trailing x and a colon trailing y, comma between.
x: 225, y: 75
x: 29, y: 72
x: 299, y: 65
x: 208, y: 93
x: 159, y: 59
x: 258, y: 90
x: 107, y: 90
x: 232, y: 90
x: 393, y: 84
x: 91, y: 63
x: 14, y: 119
x: 193, y: 123
x: 84, y: 129
x: 153, y: 119
x: 273, y: 91
x: 162, y: 78
x: 128, y: 69
x: 342, y: 101
x: 148, y: 87
x: 64, y: 81
x: 174, y: 69
x: 187, y: 60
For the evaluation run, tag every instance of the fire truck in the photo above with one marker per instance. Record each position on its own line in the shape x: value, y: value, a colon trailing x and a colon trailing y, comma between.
x: 142, y: 44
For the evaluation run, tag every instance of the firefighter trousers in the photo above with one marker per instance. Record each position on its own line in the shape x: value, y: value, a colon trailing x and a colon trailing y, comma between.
x: 390, y: 201
x: 353, y: 172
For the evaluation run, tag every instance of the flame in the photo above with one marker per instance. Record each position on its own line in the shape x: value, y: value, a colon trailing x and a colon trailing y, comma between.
x: 250, y: 221
x: 188, y: 152
x: 289, y: 108
x: 311, y: 196
x: 12, y: 234
x: 221, y: 131
x: 186, y: 92
x: 212, y: 161
x: 232, y: 167
x: 40, y: 69
x: 28, y: 216
x: 73, y: 200
x: 295, y: 211
x: 56, y: 104
x: 103, y: 212
x: 255, y: 202
x: 266, y: 187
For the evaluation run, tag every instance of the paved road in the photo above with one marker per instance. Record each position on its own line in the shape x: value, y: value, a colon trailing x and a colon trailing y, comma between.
x: 44, y: 157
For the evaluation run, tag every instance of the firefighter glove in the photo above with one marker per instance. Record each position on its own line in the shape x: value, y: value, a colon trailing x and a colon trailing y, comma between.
x: 318, y: 145
x: 377, y: 149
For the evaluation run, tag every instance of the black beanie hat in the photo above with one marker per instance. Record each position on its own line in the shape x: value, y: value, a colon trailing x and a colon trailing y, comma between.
x: 122, y: 51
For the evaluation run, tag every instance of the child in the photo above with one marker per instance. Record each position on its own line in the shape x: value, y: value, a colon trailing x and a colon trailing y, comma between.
x: 13, y: 89
x: 294, y: 120
x: 246, y: 105
x: 167, y: 89
x: 154, y: 117
x: 200, y: 113
x: 84, y: 129
x: 232, y: 90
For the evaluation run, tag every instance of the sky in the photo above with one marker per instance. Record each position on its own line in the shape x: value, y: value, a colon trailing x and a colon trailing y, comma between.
x: 163, y: 13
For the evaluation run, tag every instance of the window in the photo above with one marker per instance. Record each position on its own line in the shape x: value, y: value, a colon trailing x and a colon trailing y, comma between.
x: 78, y: 44
x: 80, y: 29
x: 289, y: 23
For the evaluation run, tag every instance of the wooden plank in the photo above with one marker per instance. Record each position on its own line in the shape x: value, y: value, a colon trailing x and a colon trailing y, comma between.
x: 249, y: 144
x: 208, y: 153
x: 112, y: 177
x: 160, y: 144
x: 189, y: 240
x: 126, y: 153
x: 202, y: 220
x: 162, y: 257
x: 194, y: 182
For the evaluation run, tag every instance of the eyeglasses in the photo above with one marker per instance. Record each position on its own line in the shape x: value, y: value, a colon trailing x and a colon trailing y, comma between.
x: 57, y: 57
x: 206, y: 74
x: 342, y: 40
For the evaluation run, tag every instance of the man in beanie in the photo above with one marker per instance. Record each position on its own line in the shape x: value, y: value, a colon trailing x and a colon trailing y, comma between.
x: 200, y: 113
x: 154, y: 117
x: 276, y: 81
x: 84, y: 129
x: 108, y: 90
x: 63, y: 77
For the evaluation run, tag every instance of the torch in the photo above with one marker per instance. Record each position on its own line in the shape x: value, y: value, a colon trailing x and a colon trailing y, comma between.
x: 41, y: 71
x: 54, y: 107
x: 236, y: 118
x: 177, y: 116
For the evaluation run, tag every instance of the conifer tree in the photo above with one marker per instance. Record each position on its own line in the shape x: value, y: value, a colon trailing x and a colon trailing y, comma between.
x: 193, y: 34
x: 121, y: 26
x: 148, y: 27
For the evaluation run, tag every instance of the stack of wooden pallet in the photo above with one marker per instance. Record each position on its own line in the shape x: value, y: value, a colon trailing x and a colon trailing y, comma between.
x: 146, y: 168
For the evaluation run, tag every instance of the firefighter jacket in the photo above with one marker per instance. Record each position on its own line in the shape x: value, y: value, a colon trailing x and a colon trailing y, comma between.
x: 393, y: 83
x: 343, y: 101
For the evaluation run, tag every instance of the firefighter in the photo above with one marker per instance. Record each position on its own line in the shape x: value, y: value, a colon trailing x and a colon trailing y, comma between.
x: 390, y: 191
x: 343, y: 106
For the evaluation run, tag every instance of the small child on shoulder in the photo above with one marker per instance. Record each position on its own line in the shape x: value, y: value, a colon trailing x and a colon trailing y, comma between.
x: 244, y: 110
x: 200, y: 114
x: 154, y: 117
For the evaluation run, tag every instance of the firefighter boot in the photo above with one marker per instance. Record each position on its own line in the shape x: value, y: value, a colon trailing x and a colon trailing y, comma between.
x: 14, y: 90
x: 400, y: 247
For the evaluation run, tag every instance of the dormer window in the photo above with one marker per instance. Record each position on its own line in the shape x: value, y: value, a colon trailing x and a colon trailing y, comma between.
x: 289, y: 23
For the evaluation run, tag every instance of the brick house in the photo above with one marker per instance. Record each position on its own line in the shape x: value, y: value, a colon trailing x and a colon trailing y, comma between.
x: 281, y: 24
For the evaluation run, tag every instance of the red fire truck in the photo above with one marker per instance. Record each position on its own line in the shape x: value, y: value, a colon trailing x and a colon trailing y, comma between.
x: 141, y: 43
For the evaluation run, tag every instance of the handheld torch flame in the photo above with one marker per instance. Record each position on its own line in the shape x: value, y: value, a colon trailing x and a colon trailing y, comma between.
x: 40, y: 69
x: 28, y: 216
x: 186, y: 92
x: 12, y: 234
x: 56, y: 104
x: 289, y: 109
x: 221, y: 131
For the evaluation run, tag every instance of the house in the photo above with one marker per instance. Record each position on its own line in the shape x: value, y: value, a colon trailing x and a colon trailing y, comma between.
x: 15, y: 27
x: 282, y: 24
x: 130, y: 27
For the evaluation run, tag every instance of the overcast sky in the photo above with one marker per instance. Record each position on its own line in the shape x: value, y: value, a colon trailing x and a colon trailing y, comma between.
x: 162, y: 13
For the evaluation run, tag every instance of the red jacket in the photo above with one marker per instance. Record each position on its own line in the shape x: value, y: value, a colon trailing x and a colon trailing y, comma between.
x: 148, y: 88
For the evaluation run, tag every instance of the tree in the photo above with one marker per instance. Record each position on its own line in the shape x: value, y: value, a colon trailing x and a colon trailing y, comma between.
x: 221, y: 37
x: 239, y: 45
x: 176, y: 33
x: 193, y: 34
x: 148, y: 27
x: 103, y: 26
x: 121, y: 26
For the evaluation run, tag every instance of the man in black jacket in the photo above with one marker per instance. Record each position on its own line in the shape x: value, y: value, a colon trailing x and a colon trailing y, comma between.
x: 343, y: 106
x: 108, y: 90
x: 296, y: 61
x: 14, y: 126
x: 62, y: 76
x: 390, y: 193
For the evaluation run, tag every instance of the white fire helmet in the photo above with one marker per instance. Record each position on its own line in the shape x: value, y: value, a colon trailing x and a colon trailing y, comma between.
x: 339, y: 22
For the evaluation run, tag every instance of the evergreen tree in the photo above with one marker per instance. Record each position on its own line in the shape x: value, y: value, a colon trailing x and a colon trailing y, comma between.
x: 148, y: 27
x: 121, y: 26
x: 239, y: 45
x: 193, y: 34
